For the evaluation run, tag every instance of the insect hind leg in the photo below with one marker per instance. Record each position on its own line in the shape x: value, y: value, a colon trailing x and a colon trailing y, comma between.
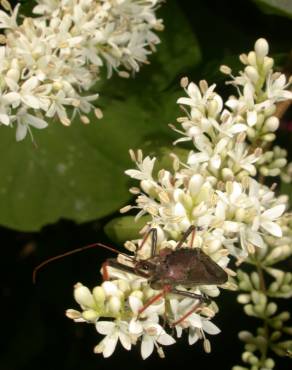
x: 202, y: 299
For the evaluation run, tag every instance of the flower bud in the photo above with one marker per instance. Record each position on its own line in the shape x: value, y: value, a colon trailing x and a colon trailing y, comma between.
x: 261, y: 48
x: 240, y: 214
x: 243, y: 298
x: 252, y: 73
x: 195, y: 184
x: 271, y: 309
x: 98, y: 295
x: 251, y: 57
x: 279, y: 163
x: 274, y: 171
x: 213, y: 108
x: 227, y: 174
x: 114, y: 305
x: 268, y: 64
x: 83, y: 296
x: 269, y: 137
x: 90, y: 315
x: 272, y: 124
x: 251, y: 132
x: 269, y: 363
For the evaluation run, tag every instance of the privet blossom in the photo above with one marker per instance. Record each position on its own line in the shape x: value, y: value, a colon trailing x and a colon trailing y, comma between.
x: 49, y: 63
x: 217, y: 190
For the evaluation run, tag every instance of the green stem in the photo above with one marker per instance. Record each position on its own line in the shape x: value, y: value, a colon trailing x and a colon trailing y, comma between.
x: 263, y: 289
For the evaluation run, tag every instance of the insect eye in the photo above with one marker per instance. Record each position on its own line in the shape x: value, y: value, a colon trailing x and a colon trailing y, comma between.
x: 145, y: 267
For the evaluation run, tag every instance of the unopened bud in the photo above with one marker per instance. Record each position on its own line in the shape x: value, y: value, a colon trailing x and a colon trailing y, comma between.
x: 227, y: 174
x: 90, y: 315
x: 243, y: 58
x: 251, y: 57
x: 272, y: 124
x: 252, y: 73
x: 83, y: 296
x: 261, y: 48
x: 269, y: 137
x: 268, y: 64
x: 98, y: 295
x: 114, y: 305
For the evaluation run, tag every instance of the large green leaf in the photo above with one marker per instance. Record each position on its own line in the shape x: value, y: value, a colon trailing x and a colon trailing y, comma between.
x: 277, y: 7
x: 77, y: 172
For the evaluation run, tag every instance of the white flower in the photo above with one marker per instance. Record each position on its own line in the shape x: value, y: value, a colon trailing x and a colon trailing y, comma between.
x: 24, y: 120
x: 196, y: 324
x: 144, y: 171
x: 151, y: 334
x: 114, y: 332
x: 266, y: 220
x: 276, y: 85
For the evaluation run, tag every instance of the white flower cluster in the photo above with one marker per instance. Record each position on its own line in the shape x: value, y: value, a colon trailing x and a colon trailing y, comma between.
x: 49, y: 62
x: 120, y: 301
x: 216, y: 191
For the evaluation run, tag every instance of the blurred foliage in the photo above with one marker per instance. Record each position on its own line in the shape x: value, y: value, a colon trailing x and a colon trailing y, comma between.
x: 277, y: 7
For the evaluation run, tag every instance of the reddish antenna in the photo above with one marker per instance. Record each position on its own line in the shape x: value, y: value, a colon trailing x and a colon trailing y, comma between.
x: 59, y: 256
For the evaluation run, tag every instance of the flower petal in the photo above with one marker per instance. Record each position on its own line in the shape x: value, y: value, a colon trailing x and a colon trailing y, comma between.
x: 147, y: 346
x: 274, y: 212
x: 165, y: 339
x: 210, y: 328
x: 105, y: 327
x: 21, y: 131
x: 109, y: 345
x: 272, y: 228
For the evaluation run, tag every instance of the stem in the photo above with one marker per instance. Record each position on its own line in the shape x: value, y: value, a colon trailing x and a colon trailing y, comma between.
x: 263, y: 289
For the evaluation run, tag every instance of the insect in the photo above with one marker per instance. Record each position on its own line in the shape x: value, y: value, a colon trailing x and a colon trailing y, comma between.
x: 167, y: 269
x: 173, y: 267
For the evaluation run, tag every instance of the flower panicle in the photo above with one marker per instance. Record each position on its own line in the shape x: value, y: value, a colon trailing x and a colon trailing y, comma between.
x: 50, y: 62
x: 219, y: 190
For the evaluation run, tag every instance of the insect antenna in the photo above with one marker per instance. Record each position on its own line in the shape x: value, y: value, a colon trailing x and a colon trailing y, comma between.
x: 59, y: 256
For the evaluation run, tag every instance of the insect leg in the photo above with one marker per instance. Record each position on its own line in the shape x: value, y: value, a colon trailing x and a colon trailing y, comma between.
x: 152, y: 231
x: 112, y: 262
x: 201, y: 298
x: 193, y: 309
x: 166, y: 289
x: 191, y: 229
x: 186, y: 293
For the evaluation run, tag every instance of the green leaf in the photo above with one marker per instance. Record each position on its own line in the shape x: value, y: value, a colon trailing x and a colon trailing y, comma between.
x: 277, y: 7
x: 78, y: 172
x: 121, y: 229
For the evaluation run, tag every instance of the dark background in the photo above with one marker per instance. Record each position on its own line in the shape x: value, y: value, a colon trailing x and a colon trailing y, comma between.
x: 35, y: 334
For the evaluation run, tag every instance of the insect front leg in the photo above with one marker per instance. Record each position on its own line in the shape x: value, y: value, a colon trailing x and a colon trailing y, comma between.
x: 165, y: 290
x: 190, y: 230
x: 112, y: 262
x: 153, y: 233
